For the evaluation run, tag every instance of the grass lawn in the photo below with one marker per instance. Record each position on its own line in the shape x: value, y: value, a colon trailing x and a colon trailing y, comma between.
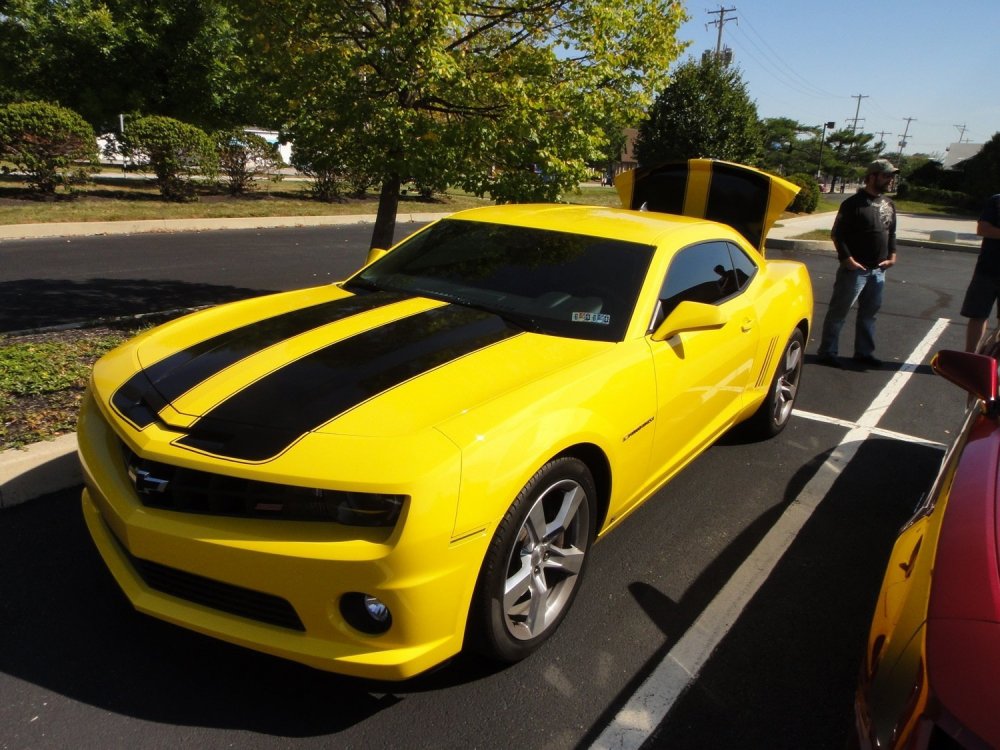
x: 113, y: 197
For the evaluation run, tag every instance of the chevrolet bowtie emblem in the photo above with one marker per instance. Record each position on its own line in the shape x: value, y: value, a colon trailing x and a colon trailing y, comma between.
x: 145, y: 483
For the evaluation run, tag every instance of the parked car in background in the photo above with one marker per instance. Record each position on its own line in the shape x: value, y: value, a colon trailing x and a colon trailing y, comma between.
x: 931, y: 672
x: 371, y: 475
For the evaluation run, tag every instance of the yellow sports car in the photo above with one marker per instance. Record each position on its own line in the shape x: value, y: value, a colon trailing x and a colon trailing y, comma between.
x: 369, y: 476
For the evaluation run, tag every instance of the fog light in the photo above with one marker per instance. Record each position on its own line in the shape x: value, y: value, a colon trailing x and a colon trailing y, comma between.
x: 366, y: 613
x: 376, y: 609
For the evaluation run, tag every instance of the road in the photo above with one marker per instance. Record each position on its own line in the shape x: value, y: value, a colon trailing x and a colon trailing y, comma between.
x: 46, y: 282
x: 79, y: 668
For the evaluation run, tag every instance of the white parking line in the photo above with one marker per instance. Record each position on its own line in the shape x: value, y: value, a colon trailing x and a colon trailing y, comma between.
x: 651, y: 703
x: 878, y: 431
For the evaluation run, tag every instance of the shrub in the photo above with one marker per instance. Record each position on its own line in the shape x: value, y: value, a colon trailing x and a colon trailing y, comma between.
x: 243, y: 158
x: 175, y: 151
x: 936, y: 196
x: 980, y: 172
x: 51, y: 144
x: 808, y: 198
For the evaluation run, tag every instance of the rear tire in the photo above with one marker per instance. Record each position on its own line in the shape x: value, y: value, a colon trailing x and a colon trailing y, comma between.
x: 535, y: 562
x: 776, y: 410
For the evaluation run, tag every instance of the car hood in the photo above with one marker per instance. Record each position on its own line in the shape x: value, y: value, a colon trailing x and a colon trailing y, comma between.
x: 247, y: 381
x: 747, y: 199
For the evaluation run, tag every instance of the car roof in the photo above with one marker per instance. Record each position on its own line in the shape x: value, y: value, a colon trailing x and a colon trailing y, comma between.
x: 642, y: 227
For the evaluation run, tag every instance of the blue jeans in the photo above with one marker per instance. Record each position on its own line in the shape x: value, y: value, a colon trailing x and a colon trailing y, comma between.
x: 865, y: 288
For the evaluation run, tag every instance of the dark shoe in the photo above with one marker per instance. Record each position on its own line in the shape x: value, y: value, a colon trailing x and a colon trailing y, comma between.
x: 867, y: 359
x: 830, y: 361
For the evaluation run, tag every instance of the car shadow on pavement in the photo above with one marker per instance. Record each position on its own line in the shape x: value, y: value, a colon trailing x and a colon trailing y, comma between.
x: 848, y: 363
x: 66, y: 628
x: 39, y: 303
x: 784, y: 674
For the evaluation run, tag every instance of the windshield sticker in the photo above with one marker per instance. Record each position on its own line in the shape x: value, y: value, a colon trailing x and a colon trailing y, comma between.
x: 588, y: 317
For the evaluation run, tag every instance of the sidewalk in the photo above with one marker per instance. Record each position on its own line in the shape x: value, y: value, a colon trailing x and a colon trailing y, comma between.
x: 52, y: 466
x: 939, y: 232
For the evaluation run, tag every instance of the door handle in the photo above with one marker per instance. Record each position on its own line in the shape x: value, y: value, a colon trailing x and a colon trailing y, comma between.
x: 747, y: 326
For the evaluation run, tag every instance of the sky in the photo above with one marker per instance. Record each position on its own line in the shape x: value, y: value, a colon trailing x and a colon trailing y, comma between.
x: 934, y: 61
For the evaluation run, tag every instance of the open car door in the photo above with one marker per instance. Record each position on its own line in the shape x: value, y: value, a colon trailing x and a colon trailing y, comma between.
x: 745, y: 198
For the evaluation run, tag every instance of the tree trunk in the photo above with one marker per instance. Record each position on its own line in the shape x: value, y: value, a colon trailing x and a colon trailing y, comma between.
x: 385, y: 220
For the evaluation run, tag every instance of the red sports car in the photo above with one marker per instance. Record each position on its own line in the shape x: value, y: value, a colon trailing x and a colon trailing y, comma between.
x: 931, y: 674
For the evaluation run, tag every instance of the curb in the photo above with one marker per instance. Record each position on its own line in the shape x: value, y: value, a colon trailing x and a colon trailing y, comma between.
x: 39, y: 469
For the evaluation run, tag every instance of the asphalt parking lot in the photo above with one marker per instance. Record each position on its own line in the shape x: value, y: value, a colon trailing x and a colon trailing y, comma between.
x: 777, y: 631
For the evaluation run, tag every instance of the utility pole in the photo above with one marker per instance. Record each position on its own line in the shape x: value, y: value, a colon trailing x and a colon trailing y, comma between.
x: 881, y: 137
x: 857, y: 111
x: 719, y: 23
x: 902, y: 143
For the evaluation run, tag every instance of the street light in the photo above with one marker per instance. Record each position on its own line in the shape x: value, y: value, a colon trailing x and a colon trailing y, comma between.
x: 822, y: 137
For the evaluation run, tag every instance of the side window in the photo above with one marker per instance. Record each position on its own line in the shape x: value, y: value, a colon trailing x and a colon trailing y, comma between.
x: 743, y: 267
x: 700, y: 273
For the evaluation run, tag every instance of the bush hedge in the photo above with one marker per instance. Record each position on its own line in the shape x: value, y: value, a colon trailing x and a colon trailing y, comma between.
x: 808, y: 198
x: 52, y: 145
x: 174, y: 151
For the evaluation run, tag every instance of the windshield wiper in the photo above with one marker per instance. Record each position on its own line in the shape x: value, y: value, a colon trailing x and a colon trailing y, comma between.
x: 367, y: 284
x: 513, y: 317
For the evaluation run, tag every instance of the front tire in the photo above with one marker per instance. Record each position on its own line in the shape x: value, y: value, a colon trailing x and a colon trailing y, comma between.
x: 535, y: 562
x: 776, y: 410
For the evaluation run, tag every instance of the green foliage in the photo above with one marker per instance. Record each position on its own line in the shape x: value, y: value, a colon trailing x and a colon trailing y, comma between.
x: 468, y: 93
x: 789, y: 146
x: 51, y: 144
x: 42, y: 380
x: 174, y: 151
x: 932, y: 175
x: 704, y: 112
x: 179, y: 58
x: 846, y: 154
x: 808, y: 198
x: 982, y: 171
x: 938, y: 196
x: 244, y: 158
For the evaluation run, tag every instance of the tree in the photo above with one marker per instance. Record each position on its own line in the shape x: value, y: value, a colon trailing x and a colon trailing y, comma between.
x: 178, y: 58
x: 501, y: 97
x: 175, y: 151
x: 704, y: 112
x: 51, y: 144
x: 982, y: 170
x: 243, y: 158
x: 789, y: 146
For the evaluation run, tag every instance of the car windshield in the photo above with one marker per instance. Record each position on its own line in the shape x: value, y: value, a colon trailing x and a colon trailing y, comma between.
x: 558, y: 283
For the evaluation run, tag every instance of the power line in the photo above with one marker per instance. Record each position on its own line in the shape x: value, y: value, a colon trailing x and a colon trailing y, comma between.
x: 777, y: 61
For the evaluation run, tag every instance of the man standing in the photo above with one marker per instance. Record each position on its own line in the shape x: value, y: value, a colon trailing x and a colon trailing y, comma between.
x: 984, y: 289
x: 864, y: 234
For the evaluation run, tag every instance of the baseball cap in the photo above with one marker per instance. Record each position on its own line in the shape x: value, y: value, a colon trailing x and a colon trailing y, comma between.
x: 881, y: 166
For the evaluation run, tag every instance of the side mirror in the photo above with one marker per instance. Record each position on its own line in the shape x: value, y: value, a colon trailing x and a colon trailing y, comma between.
x: 973, y: 373
x: 374, y: 254
x: 689, y: 316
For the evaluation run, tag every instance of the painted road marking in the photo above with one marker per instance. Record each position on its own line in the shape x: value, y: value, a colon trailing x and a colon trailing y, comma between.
x: 654, y: 699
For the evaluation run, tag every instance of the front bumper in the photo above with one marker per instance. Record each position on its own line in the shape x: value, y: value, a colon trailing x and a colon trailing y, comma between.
x: 285, y: 577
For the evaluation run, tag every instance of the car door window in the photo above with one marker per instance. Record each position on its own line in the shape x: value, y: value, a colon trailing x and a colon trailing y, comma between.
x: 700, y: 273
x: 744, y: 268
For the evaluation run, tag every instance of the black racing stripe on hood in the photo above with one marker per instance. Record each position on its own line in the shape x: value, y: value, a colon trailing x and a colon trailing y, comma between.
x: 140, y: 398
x: 269, y: 416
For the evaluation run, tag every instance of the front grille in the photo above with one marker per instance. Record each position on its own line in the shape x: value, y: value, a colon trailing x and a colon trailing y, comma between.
x: 160, y: 485
x: 167, y: 487
x: 225, y: 597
